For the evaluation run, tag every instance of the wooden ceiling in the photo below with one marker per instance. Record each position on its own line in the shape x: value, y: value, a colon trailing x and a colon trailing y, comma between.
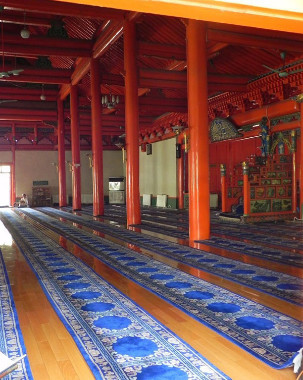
x: 63, y: 38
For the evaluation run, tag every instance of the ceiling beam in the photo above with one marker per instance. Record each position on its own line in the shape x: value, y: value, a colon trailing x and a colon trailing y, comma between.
x: 10, y: 17
x: 36, y: 97
x: 226, y: 87
x: 51, y: 42
x: 26, y: 91
x: 177, y: 52
x: 153, y: 100
x: 182, y: 76
x: 63, y: 9
x: 103, y: 42
x: 45, y: 46
x: 24, y: 124
x: 23, y: 50
x: 265, y: 42
x: 215, y: 48
x: 110, y: 35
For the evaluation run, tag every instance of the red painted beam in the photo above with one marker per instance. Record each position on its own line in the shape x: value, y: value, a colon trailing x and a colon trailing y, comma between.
x: 177, y: 52
x: 82, y: 68
x: 63, y: 9
x: 12, y: 17
x: 265, y: 42
x: 223, y: 87
x: 31, y: 117
x: 24, y: 124
x: 153, y: 100
x: 25, y: 50
x: 110, y: 35
x: 111, y: 32
x: 16, y: 111
x: 215, y: 48
x: 160, y: 83
x: 50, y: 98
x: 26, y: 91
x: 34, y: 40
x: 270, y: 111
x: 64, y: 91
x: 16, y: 114
x: 226, y: 87
x: 182, y: 76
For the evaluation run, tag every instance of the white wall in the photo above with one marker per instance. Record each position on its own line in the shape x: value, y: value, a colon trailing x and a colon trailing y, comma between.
x: 6, y: 157
x: 158, y: 170
x: 36, y: 166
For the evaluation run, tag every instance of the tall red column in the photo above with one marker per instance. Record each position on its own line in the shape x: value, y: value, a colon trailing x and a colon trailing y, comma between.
x: 61, y: 155
x: 301, y: 162
x: 223, y: 188
x: 97, y: 147
x: 13, y: 173
x: 198, y: 155
x: 75, y: 135
x: 246, y: 195
x: 294, y: 174
x: 131, y: 125
x: 180, y: 169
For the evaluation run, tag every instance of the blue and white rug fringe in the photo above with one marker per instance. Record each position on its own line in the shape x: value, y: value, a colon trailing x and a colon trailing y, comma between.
x: 11, y: 340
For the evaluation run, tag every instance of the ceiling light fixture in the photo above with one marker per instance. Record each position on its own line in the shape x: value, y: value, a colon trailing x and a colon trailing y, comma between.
x: 25, y: 33
x: 42, y: 96
x: 110, y: 101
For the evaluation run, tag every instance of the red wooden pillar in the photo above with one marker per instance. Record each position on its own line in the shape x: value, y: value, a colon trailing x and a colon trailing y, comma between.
x: 246, y: 195
x: 61, y: 155
x: 36, y: 134
x: 223, y: 188
x: 75, y: 135
x: 301, y: 162
x: 294, y: 183
x: 131, y: 125
x: 180, y: 168
x: 97, y: 147
x: 13, y: 173
x: 294, y: 171
x: 198, y: 155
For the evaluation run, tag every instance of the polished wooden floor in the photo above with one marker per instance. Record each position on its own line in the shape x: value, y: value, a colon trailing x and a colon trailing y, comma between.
x: 53, y: 354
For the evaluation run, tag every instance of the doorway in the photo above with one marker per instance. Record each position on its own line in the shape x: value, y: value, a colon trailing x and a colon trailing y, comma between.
x: 5, y: 185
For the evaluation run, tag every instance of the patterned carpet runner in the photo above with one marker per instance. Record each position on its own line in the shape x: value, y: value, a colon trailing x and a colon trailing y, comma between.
x: 277, y: 284
x: 267, y: 334
x: 280, y: 255
x: 118, y: 339
x: 11, y: 340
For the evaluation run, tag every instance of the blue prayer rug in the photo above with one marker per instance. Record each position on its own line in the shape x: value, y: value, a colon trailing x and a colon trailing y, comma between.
x: 265, y: 333
x: 270, y: 254
x: 117, y: 338
x: 276, y: 284
x: 11, y: 340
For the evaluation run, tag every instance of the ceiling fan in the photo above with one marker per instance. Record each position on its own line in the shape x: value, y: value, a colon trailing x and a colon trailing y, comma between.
x: 8, y: 100
x: 7, y: 74
x: 282, y: 72
x: 3, y: 73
